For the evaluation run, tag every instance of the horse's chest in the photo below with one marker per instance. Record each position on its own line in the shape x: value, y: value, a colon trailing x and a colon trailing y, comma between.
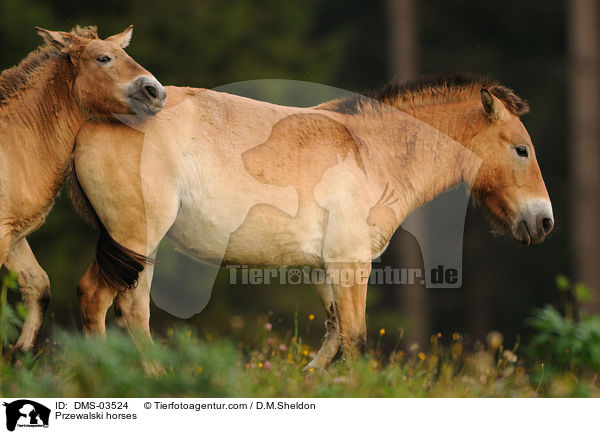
x: 29, y: 199
x: 28, y: 222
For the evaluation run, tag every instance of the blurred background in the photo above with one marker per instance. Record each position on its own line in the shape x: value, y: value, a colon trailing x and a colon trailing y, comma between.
x: 547, y: 51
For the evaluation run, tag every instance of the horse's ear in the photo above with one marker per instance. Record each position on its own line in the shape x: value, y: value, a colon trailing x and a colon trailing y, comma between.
x: 60, y: 40
x: 492, y: 106
x: 122, y: 38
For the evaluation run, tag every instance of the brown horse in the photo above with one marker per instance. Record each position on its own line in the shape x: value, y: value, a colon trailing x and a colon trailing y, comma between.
x: 237, y: 181
x: 43, y: 103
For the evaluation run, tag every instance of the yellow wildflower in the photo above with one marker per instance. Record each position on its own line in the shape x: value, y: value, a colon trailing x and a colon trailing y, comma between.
x: 494, y: 339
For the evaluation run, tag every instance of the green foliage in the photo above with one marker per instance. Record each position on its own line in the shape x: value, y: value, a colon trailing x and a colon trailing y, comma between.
x: 581, y: 293
x: 564, y: 343
x: 566, y: 347
x: 116, y: 366
x: 11, y: 319
x: 183, y: 364
x: 562, y: 282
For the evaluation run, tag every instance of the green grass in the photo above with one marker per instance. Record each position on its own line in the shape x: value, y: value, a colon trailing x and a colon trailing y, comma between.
x: 183, y: 364
x: 562, y: 359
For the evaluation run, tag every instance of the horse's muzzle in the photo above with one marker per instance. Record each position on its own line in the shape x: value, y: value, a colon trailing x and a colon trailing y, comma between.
x: 535, y: 222
x: 146, y: 95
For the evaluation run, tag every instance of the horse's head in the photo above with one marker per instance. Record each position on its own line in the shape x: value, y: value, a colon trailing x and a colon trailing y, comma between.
x: 509, y: 183
x: 107, y: 81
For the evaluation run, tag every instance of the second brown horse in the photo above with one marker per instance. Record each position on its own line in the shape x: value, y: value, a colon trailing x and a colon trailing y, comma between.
x: 44, y: 101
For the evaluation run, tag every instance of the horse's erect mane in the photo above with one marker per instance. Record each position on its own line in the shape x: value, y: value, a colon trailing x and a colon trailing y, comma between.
x: 430, y: 90
x: 16, y: 78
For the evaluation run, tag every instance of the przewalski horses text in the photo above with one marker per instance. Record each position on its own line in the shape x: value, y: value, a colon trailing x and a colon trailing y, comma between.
x: 43, y: 103
x: 238, y: 181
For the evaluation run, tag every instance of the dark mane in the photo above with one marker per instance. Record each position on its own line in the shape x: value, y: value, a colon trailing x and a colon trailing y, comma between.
x: 16, y: 78
x: 427, y: 91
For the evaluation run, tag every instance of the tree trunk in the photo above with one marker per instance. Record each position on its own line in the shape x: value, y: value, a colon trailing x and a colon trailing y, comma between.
x: 584, y: 143
x: 403, y: 38
x: 413, y: 299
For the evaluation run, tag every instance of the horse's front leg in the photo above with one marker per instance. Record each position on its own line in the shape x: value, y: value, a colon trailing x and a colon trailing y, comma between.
x: 35, y: 290
x: 331, y: 343
x: 349, y: 281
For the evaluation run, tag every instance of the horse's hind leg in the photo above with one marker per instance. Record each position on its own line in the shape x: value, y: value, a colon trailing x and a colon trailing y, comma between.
x: 95, y: 297
x: 35, y: 290
x: 132, y: 307
x: 331, y: 343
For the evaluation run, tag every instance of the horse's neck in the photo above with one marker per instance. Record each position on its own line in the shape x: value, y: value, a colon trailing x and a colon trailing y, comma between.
x: 39, y: 123
x: 419, y: 154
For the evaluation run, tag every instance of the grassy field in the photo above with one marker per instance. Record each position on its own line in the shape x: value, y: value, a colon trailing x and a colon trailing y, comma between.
x: 562, y: 359
x: 183, y: 364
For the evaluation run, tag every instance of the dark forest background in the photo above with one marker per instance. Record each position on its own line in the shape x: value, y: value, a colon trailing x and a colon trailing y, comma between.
x: 355, y: 45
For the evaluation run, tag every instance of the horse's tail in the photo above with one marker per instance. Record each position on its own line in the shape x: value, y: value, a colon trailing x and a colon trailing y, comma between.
x: 116, y: 265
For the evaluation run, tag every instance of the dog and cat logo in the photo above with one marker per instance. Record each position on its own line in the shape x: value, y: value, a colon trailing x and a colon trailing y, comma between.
x: 25, y: 413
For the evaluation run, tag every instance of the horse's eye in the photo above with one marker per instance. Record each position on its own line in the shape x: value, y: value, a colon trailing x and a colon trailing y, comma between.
x: 521, y: 151
x: 103, y: 59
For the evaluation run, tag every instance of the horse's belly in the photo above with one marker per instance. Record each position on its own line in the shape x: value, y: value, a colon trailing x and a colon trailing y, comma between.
x: 266, y: 236
x: 269, y: 236
x: 228, y: 217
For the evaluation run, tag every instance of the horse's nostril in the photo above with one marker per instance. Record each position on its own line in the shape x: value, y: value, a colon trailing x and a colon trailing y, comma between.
x: 151, y: 91
x: 547, y: 224
x: 146, y: 94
